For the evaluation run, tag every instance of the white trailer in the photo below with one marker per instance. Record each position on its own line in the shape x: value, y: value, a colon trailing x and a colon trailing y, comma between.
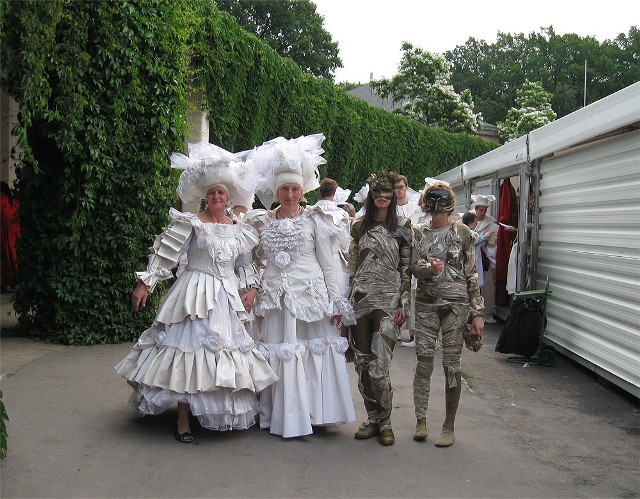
x: 580, y: 226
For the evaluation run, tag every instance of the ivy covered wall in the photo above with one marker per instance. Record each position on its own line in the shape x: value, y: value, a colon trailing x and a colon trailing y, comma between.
x: 102, y: 90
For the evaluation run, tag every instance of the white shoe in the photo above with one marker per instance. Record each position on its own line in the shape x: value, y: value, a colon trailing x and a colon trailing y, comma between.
x: 489, y: 320
x: 409, y: 344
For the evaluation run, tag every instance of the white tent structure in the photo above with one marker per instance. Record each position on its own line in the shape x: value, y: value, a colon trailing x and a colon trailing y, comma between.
x: 579, y: 226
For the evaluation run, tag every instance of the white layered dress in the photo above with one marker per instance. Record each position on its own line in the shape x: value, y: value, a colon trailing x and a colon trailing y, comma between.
x: 198, y: 350
x: 299, y: 292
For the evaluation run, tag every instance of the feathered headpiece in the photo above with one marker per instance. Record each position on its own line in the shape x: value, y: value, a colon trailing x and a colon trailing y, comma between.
x: 286, y: 161
x: 207, y: 165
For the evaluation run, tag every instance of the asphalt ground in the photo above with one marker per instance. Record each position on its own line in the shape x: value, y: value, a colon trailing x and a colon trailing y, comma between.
x: 521, y: 431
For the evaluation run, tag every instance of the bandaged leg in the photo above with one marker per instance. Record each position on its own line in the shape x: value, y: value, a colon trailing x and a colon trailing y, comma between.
x: 372, y: 339
x: 382, y: 343
x: 428, y: 325
x: 453, y: 327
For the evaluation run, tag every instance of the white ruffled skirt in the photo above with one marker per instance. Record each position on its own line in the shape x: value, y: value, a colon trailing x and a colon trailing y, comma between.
x: 210, y: 363
x: 313, y: 388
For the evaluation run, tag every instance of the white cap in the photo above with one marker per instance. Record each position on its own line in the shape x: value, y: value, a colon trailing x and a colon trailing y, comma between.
x: 482, y: 200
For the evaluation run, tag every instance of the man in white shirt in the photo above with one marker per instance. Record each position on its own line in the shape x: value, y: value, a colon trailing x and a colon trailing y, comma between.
x: 487, y: 226
x: 406, y: 208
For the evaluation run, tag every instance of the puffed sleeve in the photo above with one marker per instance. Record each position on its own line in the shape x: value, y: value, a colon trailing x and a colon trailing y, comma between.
x: 166, y: 250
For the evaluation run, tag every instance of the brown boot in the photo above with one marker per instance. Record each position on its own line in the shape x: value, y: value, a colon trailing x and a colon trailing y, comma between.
x: 446, y: 438
x: 387, y: 437
x: 421, y: 430
x: 367, y: 430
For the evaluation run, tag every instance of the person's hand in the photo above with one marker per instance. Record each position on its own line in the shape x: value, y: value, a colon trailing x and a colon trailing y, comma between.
x: 478, y: 325
x: 437, y: 266
x: 248, y: 298
x: 139, y: 296
x: 336, y: 319
x: 489, y: 234
x: 400, y: 318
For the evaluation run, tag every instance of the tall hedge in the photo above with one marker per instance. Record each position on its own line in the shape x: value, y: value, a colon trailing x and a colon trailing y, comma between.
x: 102, y: 89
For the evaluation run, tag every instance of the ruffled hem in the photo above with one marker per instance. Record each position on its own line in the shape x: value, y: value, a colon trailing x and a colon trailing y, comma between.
x: 203, y: 370
x: 221, y: 411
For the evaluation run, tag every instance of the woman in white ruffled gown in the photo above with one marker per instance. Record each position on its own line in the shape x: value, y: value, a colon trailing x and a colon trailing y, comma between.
x: 299, y: 291
x: 198, y: 352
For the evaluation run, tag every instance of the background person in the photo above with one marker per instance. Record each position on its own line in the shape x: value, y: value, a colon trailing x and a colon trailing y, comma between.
x: 470, y: 220
x: 300, y: 306
x: 10, y: 233
x: 198, y: 352
x: 487, y: 227
x: 443, y: 260
x: 380, y: 290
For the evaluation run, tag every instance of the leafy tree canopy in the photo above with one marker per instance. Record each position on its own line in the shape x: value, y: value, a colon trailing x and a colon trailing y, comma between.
x: 494, y: 72
x: 293, y: 28
x: 533, y: 111
x: 422, y: 88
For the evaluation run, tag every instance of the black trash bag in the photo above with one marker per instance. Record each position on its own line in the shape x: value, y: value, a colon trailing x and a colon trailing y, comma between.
x: 525, y: 324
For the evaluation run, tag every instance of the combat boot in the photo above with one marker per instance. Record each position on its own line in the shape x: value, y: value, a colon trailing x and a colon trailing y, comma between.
x: 387, y: 437
x: 367, y: 430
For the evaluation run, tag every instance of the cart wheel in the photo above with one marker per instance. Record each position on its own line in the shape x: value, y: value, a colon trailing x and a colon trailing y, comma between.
x: 547, y: 357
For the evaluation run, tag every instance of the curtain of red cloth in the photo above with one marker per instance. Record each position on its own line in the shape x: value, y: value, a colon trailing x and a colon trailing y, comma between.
x: 509, y: 216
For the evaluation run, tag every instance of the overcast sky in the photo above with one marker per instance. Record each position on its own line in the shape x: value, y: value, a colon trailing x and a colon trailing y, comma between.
x: 370, y: 32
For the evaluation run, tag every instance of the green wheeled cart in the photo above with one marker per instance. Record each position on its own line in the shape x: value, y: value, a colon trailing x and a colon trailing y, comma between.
x: 523, y: 332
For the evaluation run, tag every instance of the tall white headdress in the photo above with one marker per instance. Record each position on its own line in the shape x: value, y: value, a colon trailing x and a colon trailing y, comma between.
x: 286, y: 161
x: 208, y: 165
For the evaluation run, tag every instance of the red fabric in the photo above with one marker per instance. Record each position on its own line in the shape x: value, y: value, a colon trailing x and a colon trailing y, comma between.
x: 508, y: 216
x: 10, y: 232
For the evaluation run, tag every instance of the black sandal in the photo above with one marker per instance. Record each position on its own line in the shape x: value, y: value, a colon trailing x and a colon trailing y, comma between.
x: 185, y: 438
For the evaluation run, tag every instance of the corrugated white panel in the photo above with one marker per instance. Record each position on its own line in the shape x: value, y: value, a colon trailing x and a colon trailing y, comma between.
x: 615, y: 111
x: 590, y: 248
x: 512, y: 153
x: 453, y: 177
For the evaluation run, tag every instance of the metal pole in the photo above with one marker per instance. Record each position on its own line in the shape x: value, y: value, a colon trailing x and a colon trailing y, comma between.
x: 584, y: 104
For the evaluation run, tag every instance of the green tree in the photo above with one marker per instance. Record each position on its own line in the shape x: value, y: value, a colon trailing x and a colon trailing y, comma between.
x: 494, y: 72
x: 293, y: 28
x: 533, y: 111
x: 422, y: 88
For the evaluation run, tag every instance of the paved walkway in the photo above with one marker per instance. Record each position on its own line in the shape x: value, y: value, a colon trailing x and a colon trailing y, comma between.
x: 521, y: 432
